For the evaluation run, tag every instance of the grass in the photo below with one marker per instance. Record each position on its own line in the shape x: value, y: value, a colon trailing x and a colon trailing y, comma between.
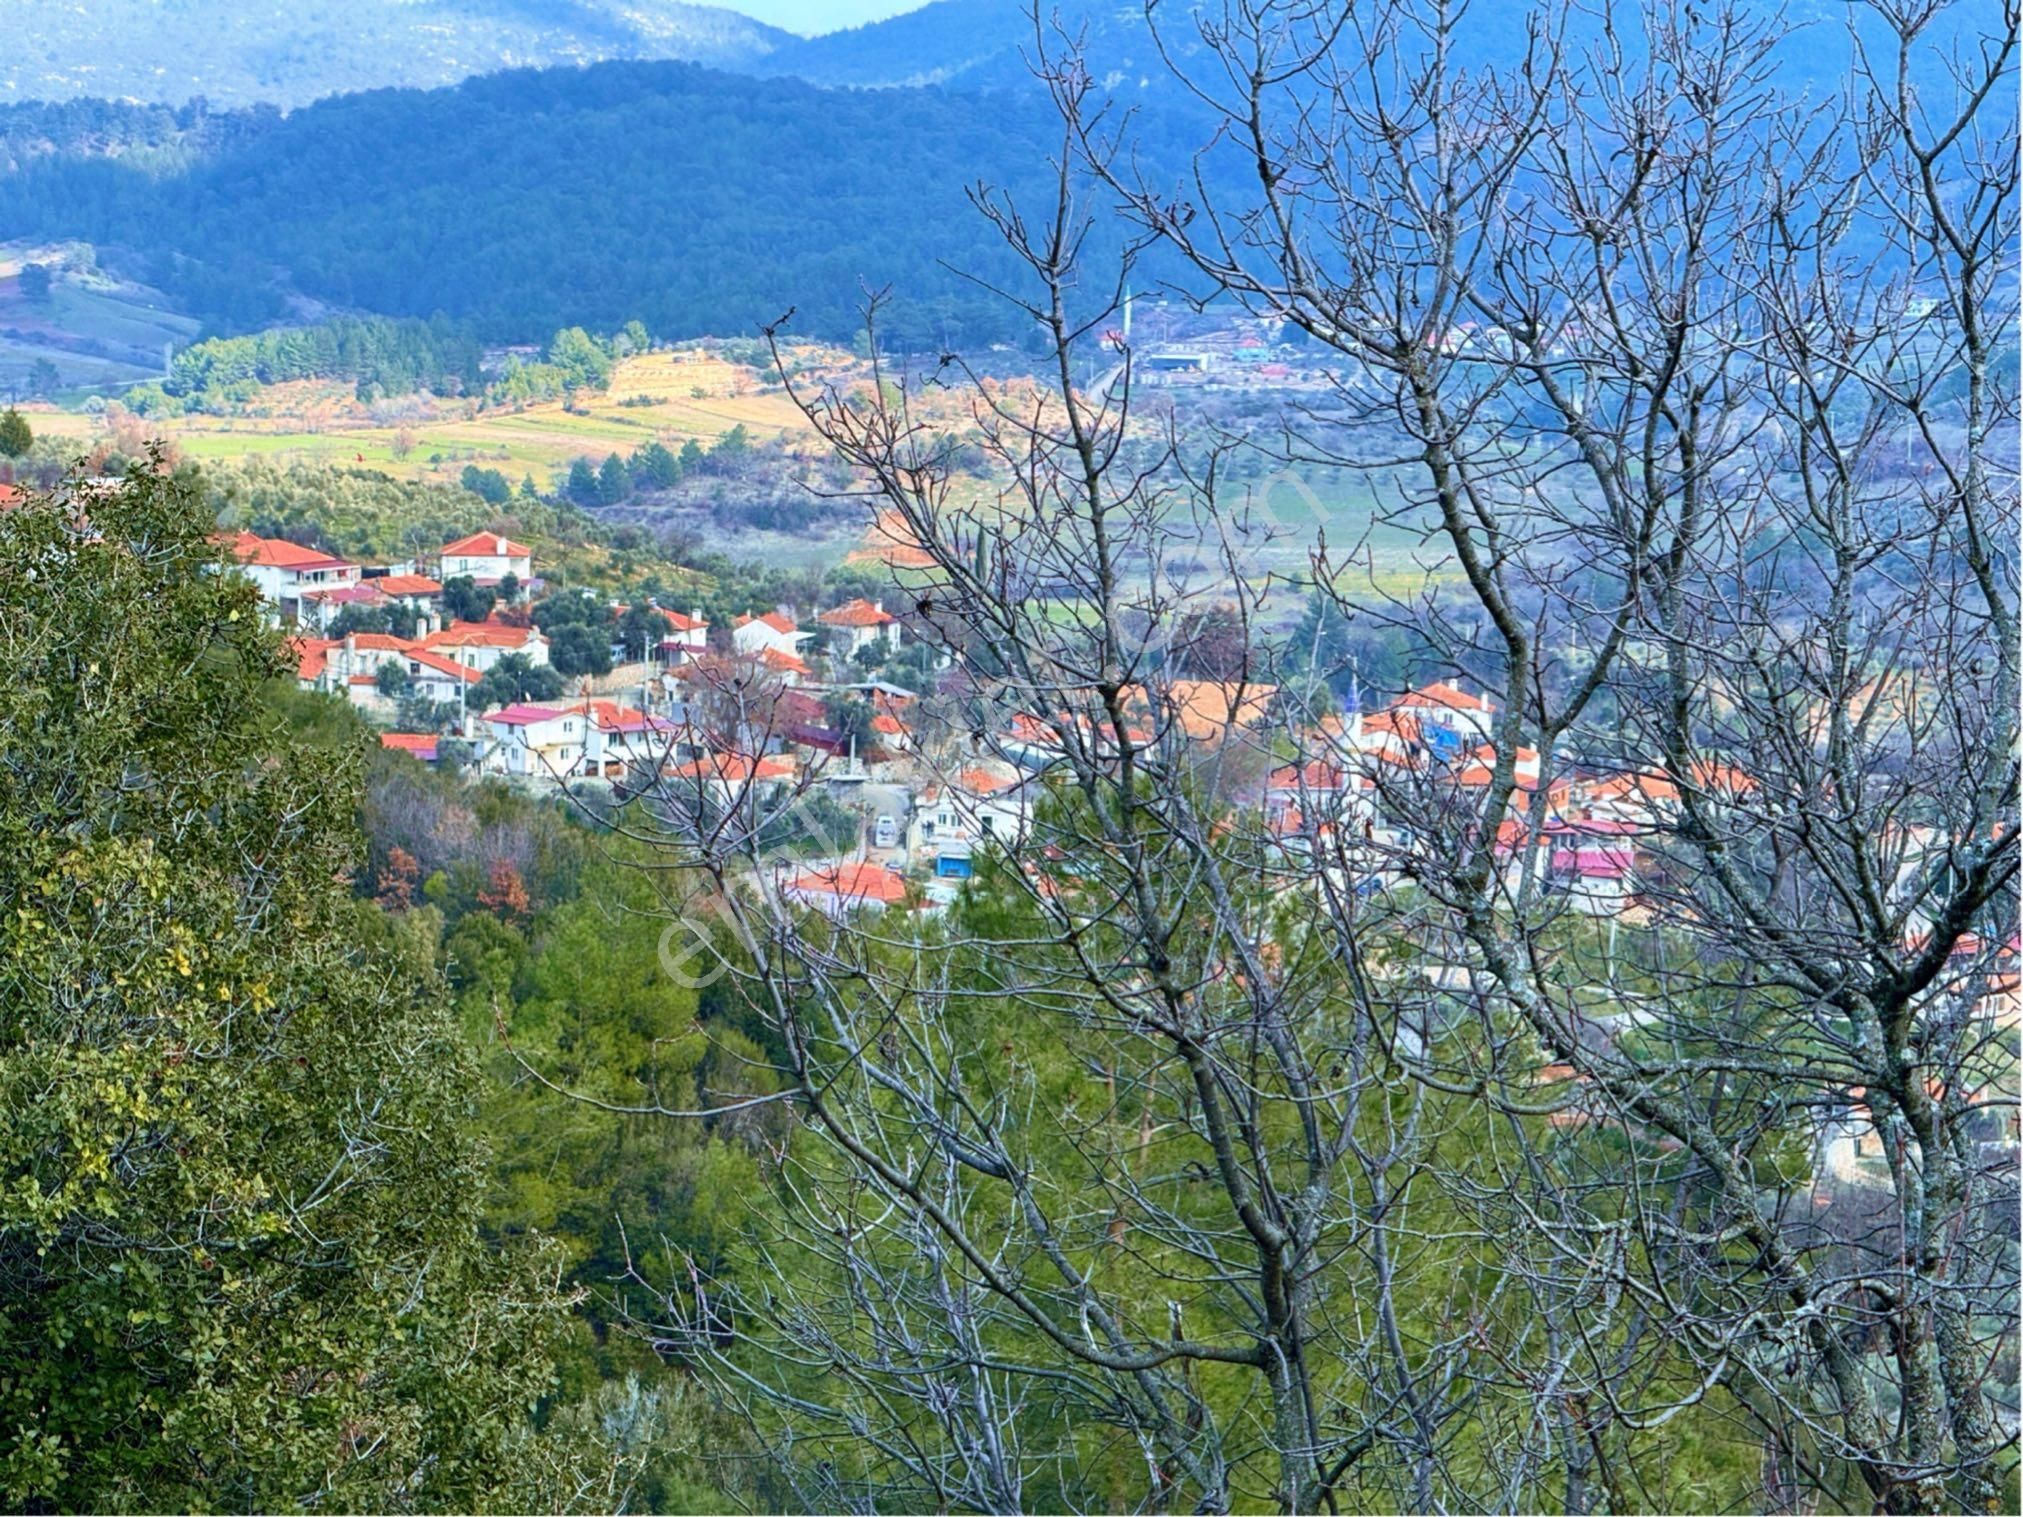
x: 321, y: 422
x: 99, y: 332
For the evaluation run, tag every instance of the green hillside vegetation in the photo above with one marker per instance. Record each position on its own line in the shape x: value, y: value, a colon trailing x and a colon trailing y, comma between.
x: 243, y: 1235
x: 364, y: 515
x: 529, y: 201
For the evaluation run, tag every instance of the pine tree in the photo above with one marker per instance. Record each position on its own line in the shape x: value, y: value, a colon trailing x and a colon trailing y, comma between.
x: 15, y: 436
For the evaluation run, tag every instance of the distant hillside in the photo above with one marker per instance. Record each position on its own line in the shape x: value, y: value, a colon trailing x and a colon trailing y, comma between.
x: 526, y: 201
x: 289, y: 52
x: 988, y: 44
x: 977, y: 44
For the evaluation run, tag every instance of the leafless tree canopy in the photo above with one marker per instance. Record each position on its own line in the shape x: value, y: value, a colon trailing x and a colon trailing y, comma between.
x: 1270, y: 1125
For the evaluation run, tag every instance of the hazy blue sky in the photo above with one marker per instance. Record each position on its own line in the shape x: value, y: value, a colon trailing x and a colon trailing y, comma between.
x: 820, y: 15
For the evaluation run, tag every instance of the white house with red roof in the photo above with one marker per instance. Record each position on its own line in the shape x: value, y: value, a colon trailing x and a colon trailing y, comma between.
x: 593, y: 738
x: 977, y: 807
x: 842, y: 888
x: 537, y: 742
x: 441, y: 679
x: 482, y: 644
x: 859, y: 624
x: 687, y: 636
x: 622, y: 739
x: 352, y: 664
x: 1447, y: 709
x: 754, y: 635
x: 416, y: 590
x: 286, y: 572
x: 487, y: 557
x: 1316, y: 787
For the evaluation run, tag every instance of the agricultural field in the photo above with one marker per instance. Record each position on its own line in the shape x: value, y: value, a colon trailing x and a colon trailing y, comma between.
x: 94, y: 331
x: 428, y: 438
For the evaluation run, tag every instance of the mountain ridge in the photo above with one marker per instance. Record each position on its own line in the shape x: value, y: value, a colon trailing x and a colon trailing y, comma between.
x: 291, y: 52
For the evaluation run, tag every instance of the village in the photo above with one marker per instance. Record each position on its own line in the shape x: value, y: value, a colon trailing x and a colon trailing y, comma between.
x: 721, y: 722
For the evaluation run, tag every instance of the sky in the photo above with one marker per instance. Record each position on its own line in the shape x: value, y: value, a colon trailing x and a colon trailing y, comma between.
x: 812, y: 16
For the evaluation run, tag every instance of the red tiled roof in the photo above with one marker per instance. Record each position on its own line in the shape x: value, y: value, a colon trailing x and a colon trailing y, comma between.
x: 781, y: 663
x: 779, y: 621
x: 443, y: 665
x: 612, y: 717
x: 1315, y: 774
x: 421, y: 744
x: 982, y: 782
x: 11, y: 495
x: 378, y: 642
x: 480, y: 635
x: 856, y: 613
x: 314, y: 655
x: 486, y: 545
x: 279, y: 553
x: 406, y: 584
x: 1442, y: 695
x: 732, y: 769
x: 852, y: 881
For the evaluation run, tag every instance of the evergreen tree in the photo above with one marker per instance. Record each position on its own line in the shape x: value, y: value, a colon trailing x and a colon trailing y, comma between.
x: 240, y: 1263
x: 614, y: 480
x: 582, y: 486
x: 656, y: 466
x: 15, y: 436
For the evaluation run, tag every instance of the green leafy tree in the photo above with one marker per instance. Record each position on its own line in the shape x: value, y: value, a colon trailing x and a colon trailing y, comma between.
x: 16, y: 437
x: 466, y: 601
x: 640, y: 630
x: 578, y: 648
x: 35, y: 281
x: 239, y: 1252
x: 516, y: 677
x: 581, y: 358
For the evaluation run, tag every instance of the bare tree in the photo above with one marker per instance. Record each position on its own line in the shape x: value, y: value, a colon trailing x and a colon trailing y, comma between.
x: 1278, y: 1118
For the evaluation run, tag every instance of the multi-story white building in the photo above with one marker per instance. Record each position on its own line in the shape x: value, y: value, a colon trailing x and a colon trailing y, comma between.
x: 286, y: 572
x: 487, y: 557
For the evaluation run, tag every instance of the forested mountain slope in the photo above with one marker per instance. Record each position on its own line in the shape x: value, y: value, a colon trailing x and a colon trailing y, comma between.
x: 695, y: 201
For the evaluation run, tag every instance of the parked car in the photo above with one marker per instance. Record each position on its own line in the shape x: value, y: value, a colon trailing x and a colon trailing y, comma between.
x: 885, y: 832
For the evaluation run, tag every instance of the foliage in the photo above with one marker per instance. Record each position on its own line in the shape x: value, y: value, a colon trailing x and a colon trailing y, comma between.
x: 578, y: 648
x: 515, y: 677
x: 238, y: 1244
x: 489, y: 485
x: 384, y: 357
x: 16, y: 437
x: 737, y: 200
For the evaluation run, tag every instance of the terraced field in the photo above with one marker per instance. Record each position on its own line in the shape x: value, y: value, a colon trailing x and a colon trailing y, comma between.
x: 696, y: 396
